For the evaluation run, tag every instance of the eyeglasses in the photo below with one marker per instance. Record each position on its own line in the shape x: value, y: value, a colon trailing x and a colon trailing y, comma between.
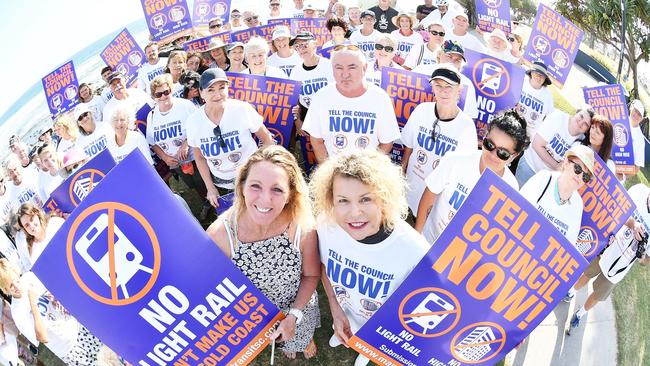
x: 441, y: 34
x: 274, y: 4
x: 251, y: 18
x: 577, y: 169
x: 215, y: 26
x: 342, y: 47
x: 502, y: 153
x: 300, y: 46
x: 217, y: 133
x: 160, y: 94
x: 511, y: 39
x: 380, y: 47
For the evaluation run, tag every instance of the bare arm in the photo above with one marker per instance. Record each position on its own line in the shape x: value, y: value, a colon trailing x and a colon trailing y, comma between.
x: 426, y: 202
x: 405, y: 158
x: 539, y: 146
x: 319, y: 149
x: 171, y: 161
x: 217, y: 232
x: 204, y: 170
x: 385, y: 148
x: 264, y: 135
x: 39, y: 324
x: 341, y: 323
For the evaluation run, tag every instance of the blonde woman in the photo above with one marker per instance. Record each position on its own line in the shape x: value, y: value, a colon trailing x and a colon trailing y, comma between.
x: 176, y: 65
x: 256, y: 52
x: 385, y: 48
x: 268, y: 233
x: 67, y: 129
x: 360, y: 201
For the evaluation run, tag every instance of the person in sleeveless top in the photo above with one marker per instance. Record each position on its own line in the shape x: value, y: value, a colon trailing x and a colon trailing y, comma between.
x: 268, y: 233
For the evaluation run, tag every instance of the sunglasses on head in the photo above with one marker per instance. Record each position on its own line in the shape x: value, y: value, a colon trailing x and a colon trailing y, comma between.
x: 217, y: 133
x: 342, y: 47
x: 502, y: 153
x: 251, y: 18
x: 160, y: 94
x: 511, y: 39
x: 380, y: 47
x: 577, y: 169
x: 441, y: 34
x: 216, y: 26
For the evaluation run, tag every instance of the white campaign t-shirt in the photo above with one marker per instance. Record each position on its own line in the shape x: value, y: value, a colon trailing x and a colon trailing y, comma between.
x: 381, y: 267
x: 638, y: 146
x: 313, y: 80
x: 95, y: 143
x: 134, y: 140
x: 619, y: 257
x: 96, y: 106
x: 148, y: 72
x: 567, y: 217
x: 107, y: 94
x: 423, y: 54
x: 534, y: 105
x: 373, y: 73
x: 27, y: 191
x: 503, y: 55
x: 555, y: 131
x: 169, y: 130
x: 458, y: 134
x: 62, y: 328
x: 453, y: 180
x: 366, y: 43
x: 405, y: 43
x: 435, y: 16
x: 350, y: 123
x: 64, y: 145
x: 239, y: 121
x: 135, y: 100
x: 286, y: 64
x: 468, y: 41
x: 48, y: 183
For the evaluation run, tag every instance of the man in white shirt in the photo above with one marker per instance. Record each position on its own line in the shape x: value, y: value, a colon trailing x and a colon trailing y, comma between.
x: 275, y: 8
x: 215, y: 25
x: 460, y: 34
x: 498, y: 46
x: 366, y: 37
x: 25, y: 185
x: 251, y: 19
x: 350, y: 113
x: 638, y: 140
x: 134, y: 98
x: 297, y: 9
x: 154, y: 66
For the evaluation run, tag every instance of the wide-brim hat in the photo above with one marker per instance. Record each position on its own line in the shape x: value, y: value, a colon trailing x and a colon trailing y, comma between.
x: 585, y: 154
x: 396, y: 18
x: 214, y: 44
x: 540, y: 67
x: 496, y: 32
x: 302, y: 36
x: 73, y: 156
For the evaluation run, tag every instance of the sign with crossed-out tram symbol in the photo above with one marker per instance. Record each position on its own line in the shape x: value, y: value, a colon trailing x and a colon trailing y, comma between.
x: 429, y: 312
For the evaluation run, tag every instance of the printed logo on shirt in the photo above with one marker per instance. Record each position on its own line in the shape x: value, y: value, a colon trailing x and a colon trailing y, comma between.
x: 152, y: 74
x: 531, y: 102
x: 440, y: 146
x: 557, y: 147
x: 362, y: 142
x: 287, y: 69
x: 404, y: 48
x: 340, y: 141
x: 213, y: 147
x: 352, y: 121
x: 27, y: 196
x: 369, y: 282
x: 167, y: 131
x: 310, y: 87
x: 458, y: 197
x: 96, y: 147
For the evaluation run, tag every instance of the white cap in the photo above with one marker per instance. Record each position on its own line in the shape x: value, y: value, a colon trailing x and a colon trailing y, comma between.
x: 281, y: 31
x: 636, y: 104
x: 79, y: 110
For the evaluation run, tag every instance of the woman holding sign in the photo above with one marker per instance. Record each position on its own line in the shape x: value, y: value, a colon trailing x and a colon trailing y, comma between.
x: 38, y: 229
x: 360, y: 201
x: 457, y: 173
x: 268, y: 235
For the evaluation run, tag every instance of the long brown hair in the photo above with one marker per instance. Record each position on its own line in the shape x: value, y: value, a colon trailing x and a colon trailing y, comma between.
x: 29, y: 209
x: 605, y: 126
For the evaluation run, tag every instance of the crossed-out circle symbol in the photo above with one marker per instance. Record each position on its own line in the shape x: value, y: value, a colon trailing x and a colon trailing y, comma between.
x: 593, y: 243
x: 111, y: 207
x: 454, y: 345
x: 92, y: 172
x: 403, y: 317
x: 504, y: 72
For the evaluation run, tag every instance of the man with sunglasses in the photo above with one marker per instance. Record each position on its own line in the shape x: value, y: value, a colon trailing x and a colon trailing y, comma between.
x: 215, y: 25
x: 551, y: 142
x: 555, y: 193
x: 449, y: 184
x: 251, y: 19
x: 351, y: 113
x: 154, y: 66
x: 433, y: 130
x: 220, y: 134
x: 275, y: 10
x: 460, y: 34
x: 366, y: 37
x: 235, y: 24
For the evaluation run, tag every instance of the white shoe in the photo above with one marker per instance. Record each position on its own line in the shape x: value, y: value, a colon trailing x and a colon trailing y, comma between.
x: 334, y: 341
x: 361, y: 360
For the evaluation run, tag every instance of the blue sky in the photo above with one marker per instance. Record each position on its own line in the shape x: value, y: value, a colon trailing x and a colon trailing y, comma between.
x: 38, y: 36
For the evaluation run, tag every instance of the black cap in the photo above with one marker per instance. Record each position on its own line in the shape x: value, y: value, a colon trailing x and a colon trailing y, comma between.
x: 446, y: 72
x: 211, y: 76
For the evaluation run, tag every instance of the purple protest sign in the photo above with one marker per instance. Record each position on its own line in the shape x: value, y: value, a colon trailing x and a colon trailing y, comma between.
x: 167, y: 19
x: 497, y: 270
x: 497, y: 83
x: 407, y: 90
x: 201, y: 44
x: 315, y: 25
x: 67, y: 196
x: 264, y: 31
x: 225, y: 202
x: 124, y: 55
x: 609, y: 101
x: 61, y: 87
x: 116, y: 265
x: 272, y: 97
x: 204, y: 10
x: 554, y: 41
x: 326, y: 52
x: 607, y: 206
x: 493, y: 14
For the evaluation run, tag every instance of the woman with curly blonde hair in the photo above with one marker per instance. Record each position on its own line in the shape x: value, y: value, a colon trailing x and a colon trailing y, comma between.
x: 268, y: 233
x: 66, y: 128
x: 360, y: 201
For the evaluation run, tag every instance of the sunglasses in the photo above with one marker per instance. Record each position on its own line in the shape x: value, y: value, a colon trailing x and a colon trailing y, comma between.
x: 380, y: 47
x: 215, y: 26
x: 160, y: 94
x: 502, y: 153
x: 511, y: 39
x: 577, y: 169
x: 274, y: 4
x: 83, y: 115
x: 217, y: 133
x: 251, y: 18
x: 236, y: 16
x: 349, y: 47
x: 441, y: 34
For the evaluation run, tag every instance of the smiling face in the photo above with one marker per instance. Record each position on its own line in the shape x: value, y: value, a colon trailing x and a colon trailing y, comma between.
x: 49, y: 161
x: 497, y: 44
x: 216, y: 93
x: 356, y: 208
x: 537, y: 79
x: 596, y: 135
x: 236, y: 55
x: 12, y: 284
x: 31, y: 225
x: 501, y: 140
x: 404, y: 23
x: 177, y: 65
x: 338, y: 33
x: 152, y: 54
x: 164, y: 101
x: 266, y: 192
x: 194, y: 62
x: 256, y: 59
x: 581, y: 121
x: 305, y: 49
x: 568, y: 170
x: 84, y: 93
x: 118, y: 87
x: 120, y: 122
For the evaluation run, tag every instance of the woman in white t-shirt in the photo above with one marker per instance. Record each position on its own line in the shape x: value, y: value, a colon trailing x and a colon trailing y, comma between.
x: 406, y: 37
x: 220, y: 134
x: 457, y: 173
x: 256, y: 52
x: 427, y: 53
x: 53, y: 174
x: 93, y: 102
x: 65, y: 128
x: 93, y: 133
x: 38, y: 227
x: 236, y: 57
x: 283, y: 57
x: 385, y: 48
x: 536, y: 100
x: 176, y: 66
x: 555, y: 194
x: 360, y: 202
x: 42, y: 319
x: 125, y: 139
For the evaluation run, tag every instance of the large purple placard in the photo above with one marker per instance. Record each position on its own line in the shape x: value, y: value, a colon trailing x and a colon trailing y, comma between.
x: 61, y: 87
x: 204, y: 10
x: 167, y: 19
x: 493, y: 14
x: 124, y: 55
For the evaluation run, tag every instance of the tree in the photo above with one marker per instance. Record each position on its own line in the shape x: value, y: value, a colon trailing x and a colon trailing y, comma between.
x: 602, y: 18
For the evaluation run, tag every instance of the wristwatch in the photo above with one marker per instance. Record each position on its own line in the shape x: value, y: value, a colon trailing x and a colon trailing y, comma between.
x: 297, y: 313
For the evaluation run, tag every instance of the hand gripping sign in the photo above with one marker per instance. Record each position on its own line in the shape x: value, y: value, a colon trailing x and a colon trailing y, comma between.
x: 492, y: 276
x: 138, y: 271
